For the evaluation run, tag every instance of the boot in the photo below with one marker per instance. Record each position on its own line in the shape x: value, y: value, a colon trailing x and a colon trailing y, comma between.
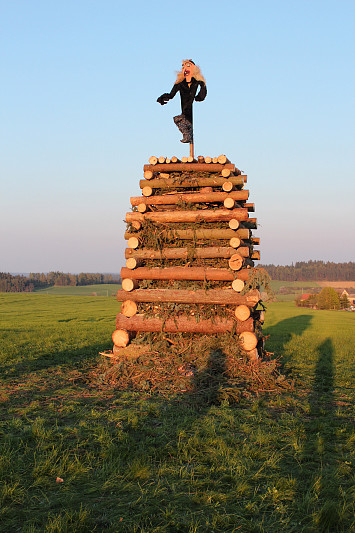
x: 185, y: 127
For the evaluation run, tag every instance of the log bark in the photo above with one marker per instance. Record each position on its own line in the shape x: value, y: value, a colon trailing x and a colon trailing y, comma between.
x: 198, y: 197
x: 173, y: 183
x: 211, y: 296
x: 185, y: 253
x: 183, y: 167
x: 206, y: 215
x: 255, y: 255
x: 183, y: 324
x: 190, y: 234
x: 187, y: 273
x: 129, y: 307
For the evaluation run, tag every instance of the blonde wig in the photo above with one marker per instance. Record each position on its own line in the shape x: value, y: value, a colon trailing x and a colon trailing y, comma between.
x: 197, y: 72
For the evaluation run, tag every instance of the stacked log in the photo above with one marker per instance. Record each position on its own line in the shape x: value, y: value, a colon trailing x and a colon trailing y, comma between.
x: 190, y: 255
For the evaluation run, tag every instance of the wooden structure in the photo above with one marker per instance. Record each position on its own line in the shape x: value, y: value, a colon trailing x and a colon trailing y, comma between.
x: 190, y: 255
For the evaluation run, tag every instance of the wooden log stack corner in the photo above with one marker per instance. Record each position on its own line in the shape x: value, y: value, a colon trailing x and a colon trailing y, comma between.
x: 190, y: 257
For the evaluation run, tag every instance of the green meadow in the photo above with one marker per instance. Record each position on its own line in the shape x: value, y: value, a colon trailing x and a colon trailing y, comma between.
x: 78, y: 455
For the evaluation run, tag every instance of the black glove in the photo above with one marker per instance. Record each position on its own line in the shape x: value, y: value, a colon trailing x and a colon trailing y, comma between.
x: 163, y: 99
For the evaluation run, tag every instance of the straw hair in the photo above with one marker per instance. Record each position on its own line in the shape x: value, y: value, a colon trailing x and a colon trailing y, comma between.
x: 197, y: 73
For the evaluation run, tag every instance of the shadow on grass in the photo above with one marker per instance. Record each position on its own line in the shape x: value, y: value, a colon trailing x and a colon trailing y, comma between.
x: 318, y: 488
x: 281, y: 333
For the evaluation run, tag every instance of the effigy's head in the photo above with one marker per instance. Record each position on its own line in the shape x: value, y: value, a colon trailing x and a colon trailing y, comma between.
x: 189, y: 70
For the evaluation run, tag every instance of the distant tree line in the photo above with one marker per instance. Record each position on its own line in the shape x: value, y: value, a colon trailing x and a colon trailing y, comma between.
x: 312, y: 271
x: 20, y: 283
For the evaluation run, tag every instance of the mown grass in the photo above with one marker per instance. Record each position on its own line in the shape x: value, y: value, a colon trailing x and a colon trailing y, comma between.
x: 103, y: 289
x: 136, y: 462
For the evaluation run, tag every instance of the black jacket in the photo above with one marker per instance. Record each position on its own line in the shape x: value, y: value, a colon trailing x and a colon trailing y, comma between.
x: 187, y: 95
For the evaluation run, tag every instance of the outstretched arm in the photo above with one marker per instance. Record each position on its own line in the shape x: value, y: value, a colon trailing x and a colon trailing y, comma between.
x: 164, y: 98
x: 202, y: 93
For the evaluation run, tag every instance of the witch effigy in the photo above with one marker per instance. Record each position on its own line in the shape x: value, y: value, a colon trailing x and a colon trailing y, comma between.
x: 189, y: 80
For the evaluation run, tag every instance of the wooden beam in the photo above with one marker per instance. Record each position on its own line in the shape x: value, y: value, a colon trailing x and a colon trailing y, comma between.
x: 187, y: 273
x: 182, y: 324
x: 186, y: 183
x: 185, y: 253
x: 206, y: 215
x: 198, y: 197
x: 190, y: 234
x: 189, y: 167
x: 200, y: 296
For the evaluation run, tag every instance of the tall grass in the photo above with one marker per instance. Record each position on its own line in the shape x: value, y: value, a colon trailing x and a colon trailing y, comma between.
x: 136, y: 462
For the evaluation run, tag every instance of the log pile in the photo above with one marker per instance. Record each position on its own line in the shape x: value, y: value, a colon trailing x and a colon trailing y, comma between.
x: 190, y: 256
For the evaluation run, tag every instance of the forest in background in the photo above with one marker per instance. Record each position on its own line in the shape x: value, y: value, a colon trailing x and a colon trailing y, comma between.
x: 23, y: 283
x: 312, y: 271
x: 300, y: 271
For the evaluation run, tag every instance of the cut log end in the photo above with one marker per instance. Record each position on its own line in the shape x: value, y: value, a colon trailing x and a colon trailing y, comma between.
x: 147, y: 191
x: 121, y: 338
x: 234, y: 242
x: 242, y: 312
x: 235, y: 262
x: 153, y: 160
x: 238, y: 285
x: 148, y: 175
x: 227, y: 186
x: 129, y: 308
x: 248, y: 340
x: 129, y: 284
x: 233, y: 223
x: 133, y: 243
x: 228, y: 203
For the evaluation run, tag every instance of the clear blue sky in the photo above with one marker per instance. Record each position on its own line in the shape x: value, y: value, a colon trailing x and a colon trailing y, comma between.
x: 79, y: 119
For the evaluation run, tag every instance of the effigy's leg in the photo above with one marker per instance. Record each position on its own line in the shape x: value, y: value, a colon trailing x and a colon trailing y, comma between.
x: 185, y: 127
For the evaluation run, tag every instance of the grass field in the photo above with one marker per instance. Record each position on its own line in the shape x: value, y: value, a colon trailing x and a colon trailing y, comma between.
x: 136, y: 462
x: 109, y: 289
